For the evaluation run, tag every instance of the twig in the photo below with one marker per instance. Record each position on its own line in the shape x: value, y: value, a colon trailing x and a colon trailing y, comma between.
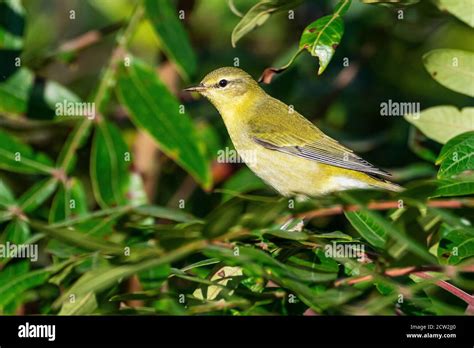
x: 449, y: 287
x: 88, y: 39
x: 339, y: 209
x: 421, y: 272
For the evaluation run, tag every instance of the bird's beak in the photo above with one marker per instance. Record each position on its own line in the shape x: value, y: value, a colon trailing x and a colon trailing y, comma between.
x: 198, y: 88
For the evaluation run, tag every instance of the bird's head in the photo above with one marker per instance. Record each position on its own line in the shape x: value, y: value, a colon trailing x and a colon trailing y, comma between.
x: 227, y: 85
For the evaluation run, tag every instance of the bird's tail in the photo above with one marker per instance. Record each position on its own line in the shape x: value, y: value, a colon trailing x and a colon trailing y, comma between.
x: 387, y: 185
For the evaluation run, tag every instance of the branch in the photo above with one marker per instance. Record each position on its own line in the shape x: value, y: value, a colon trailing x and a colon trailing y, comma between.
x: 421, y: 272
x: 339, y: 209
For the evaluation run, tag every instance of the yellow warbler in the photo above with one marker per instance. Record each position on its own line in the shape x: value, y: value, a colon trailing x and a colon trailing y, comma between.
x: 281, y: 146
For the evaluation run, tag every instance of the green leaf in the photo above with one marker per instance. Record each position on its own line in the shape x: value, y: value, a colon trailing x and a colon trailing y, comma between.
x: 291, y: 235
x: 37, y: 194
x: 377, y: 222
x: 154, y: 277
x: 19, y: 284
x: 334, y: 235
x: 258, y: 15
x: 322, y: 37
x: 462, y: 9
x: 13, y: 270
x: 164, y: 213
x: 153, y: 108
x: 92, y: 230
x: 49, y: 100
x: 220, y: 220
x: 22, y: 93
x: 16, y: 232
x: 457, y: 156
x: 70, y: 200
x: 452, y: 68
x: 6, y: 195
x: 172, y: 35
x: 441, y: 123
x: 449, y: 188
x: 15, y: 91
x: 318, y: 261
x: 75, y: 140
x: 18, y: 157
x: 367, y: 228
x: 12, y: 25
x: 456, y: 244
x: 110, y: 176
x: 392, y: 2
x: 104, y: 277
x: 85, y: 304
x: 241, y: 182
x: 76, y: 238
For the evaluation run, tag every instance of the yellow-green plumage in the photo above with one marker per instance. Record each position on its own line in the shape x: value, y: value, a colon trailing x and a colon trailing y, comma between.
x: 286, y: 150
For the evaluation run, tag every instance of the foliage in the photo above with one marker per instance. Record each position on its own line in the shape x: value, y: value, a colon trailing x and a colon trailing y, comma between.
x: 131, y: 212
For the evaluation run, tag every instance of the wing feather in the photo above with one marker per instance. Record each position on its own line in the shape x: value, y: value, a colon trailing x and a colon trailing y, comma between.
x: 297, y: 136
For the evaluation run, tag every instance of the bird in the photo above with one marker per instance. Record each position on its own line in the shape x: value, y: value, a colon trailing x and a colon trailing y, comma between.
x: 281, y: 146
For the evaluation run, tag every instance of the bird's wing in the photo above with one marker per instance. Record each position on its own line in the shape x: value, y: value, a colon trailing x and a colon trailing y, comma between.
x: 293, y: 134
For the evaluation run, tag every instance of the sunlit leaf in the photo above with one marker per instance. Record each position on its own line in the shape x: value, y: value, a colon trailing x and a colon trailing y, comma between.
x: 456, y: 244
x: 462, y: 9
x: 450, y: 188
x: 452, y: 68
x: 322, y: 37
x: 457, y: 156
x: 442, y: 123
x: 226, y: 276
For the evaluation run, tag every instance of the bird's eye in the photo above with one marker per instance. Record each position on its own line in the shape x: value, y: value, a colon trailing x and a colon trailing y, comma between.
x: 222, y: 83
